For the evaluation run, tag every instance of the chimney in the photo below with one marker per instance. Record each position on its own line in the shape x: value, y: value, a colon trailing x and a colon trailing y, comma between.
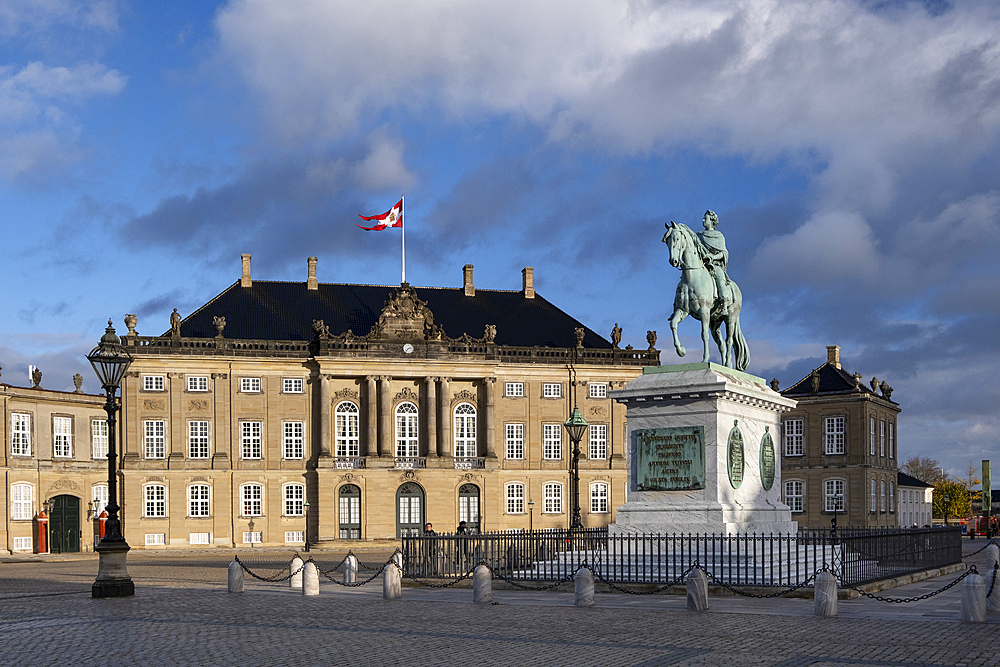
x: 311, y: 282
x: 470, y: 289
x: 245, y: 280
x: 833, y: 355
x: 528, y: 282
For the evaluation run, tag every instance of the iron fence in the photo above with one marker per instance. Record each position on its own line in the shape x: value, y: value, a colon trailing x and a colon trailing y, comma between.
x: 855, y: 556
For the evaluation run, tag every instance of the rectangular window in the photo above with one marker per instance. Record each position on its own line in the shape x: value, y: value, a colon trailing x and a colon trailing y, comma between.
x: 99, y: 438
x: 551, y: 390
x: 598, y: 439
x: 293, y: 440
x: 22, y: 502
x: 251, y: 537
x: 100, y: 493
x: 62, y: 437
x: 873, y: 509
x: 794, y: 438
x: 793, y: 495
x: 20, y: 435
x: 833, y: 435
x: 833, y: 493
x: 152, y: 383
x: 197, y: 383
x: 198, y: 500
x: 515, y: 441
x: 892, y: 440
x: 598, y: 390
x: 871, y: 436
x: 892, y: 497
x: 552, y: 441
x: 513, y: 389
x: 250, y: 439
x: 156, y: 539
x: 250, y: 385
x: 154, y: 438
x: 881, y: 437
x: 881, y: 505
x: 291, y: 385
x: 293, y: 536
x: 515, y: 499
x: 252, y: 504
x: 198, y: 440
x: 23, y: 544
x: 599, y: 498
x: 294, y: 496
x: 156, y: 500
x: 553, y: 498
x: 199, y: 538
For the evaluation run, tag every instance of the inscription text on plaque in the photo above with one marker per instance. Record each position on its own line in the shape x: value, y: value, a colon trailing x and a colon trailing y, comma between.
x: 670, y: 459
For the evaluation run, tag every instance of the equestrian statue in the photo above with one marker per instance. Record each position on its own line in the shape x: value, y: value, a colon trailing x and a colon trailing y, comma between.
x: 705, y: 291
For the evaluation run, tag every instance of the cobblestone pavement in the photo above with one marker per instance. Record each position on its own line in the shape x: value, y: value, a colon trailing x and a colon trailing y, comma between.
x: 182, y: 615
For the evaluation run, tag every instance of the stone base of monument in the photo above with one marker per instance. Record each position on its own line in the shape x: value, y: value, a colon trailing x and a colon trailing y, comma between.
x: 704, y: 447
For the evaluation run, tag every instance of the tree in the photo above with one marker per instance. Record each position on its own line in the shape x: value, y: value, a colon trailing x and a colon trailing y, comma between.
x: 950, y: 499
x: 925, y: 469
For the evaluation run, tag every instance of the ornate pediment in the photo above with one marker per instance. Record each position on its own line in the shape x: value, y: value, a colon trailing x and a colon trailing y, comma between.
x: 405, y: 317
x: 406, y: 394
x: 345, y: 394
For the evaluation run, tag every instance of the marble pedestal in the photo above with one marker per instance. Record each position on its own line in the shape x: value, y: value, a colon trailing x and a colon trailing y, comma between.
x: 112, y: 580
x: 729, y: 420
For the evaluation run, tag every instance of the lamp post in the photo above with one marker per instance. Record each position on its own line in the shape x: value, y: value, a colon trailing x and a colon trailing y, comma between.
x: 575, y: 426
x: 838, y: 502
x: 110, y: 361
x: 305, y: 532
x: 531, y: 515
x: 250, y: 527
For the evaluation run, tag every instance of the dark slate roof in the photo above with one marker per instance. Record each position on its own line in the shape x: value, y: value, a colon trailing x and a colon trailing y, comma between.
x: 272, y: 310
x: 902, y: 479
x: 832, y: 380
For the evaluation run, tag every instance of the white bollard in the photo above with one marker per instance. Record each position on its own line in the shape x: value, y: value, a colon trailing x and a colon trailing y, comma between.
x: 825, y: 594
x: 482, y: 584
x: 974, y: 599
x: 295, y: 568
x: 310, y: 579
x: 993, y: 556
x: 350, y: 569
x: 392, y: 581
x: 583, y: 587
x: 697, y: 590
x: 236, y: 578
x: 397, y: 558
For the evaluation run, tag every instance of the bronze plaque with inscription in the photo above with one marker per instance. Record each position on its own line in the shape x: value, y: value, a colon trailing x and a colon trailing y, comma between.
x: 670, y: 459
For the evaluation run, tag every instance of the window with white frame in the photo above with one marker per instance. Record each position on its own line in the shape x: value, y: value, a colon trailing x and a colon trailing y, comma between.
x: 99, y: 438
x: 873, y: 496
x: 881, y: 504
x: 515, y: 498
x: 198, y: 439
x: 513, y: 389
x: 891, y: 440
x: 833, y: 435
x: 552, y: 492
x: 293, y: 440
x: 407, y: 443
x: 156, y: 539
x: 197, y: 383
x: 20, y: 434
x: 100, y: 495
x: 871, y: 436
x: 252, y: 537
x: 291, y: 385
x: 62, y: 437
x: 249, y: 385
x: 293, y: 536
x: 598, y: 441
x: 794, y: 437
x: 833, y: 494
x: 599, y: 498
x: 881, y: 437
x: 198, y: 504
x: 199, y: 538
x: 597, y: 390
x: 552, y: 441
x: 515, y: 441
x: 156, y: 500
x: 250, y: 440
x: 294, y: 499
x: 252, y: 503
x: 22, y: 503
x: 154, y: 438
x: 23, y: 544
x: 794, y: 496
x: 551, y: 390
x: 892, y: 497
x: 152, y: 383
x: 347, y: 431
x: 465, y: 430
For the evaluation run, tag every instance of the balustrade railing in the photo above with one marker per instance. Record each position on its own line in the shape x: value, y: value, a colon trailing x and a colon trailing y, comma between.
x: 410, y: 462
x: 470, y: 463
x: 349, y: 462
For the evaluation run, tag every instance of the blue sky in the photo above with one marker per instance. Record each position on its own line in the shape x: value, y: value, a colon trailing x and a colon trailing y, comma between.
x: 850, y: 149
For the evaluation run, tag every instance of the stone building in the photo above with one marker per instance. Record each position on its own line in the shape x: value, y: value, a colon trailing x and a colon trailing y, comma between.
x: 839, y: 449
x: 285, y: 412
x: 55, y: 459
x: 916, y: 501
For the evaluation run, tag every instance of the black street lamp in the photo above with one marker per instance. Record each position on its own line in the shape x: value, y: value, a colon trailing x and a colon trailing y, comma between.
x: 531, y: 515
x: 110, y: 361
x: 838, y: 502
x: 575, y: 426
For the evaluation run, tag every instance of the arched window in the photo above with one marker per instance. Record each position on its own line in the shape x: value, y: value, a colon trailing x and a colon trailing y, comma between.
x: 553, y: 498
x: 156, y: 500
x: 350, y: 512
x: 598, y: 498
x: 347, y: 429
x: 892, y: 497
x: 294, y: 495
x: 407, y: 443
x: 874, y: 508
x: 198, y: 500
x: 100, y: 493
x: 468, y: 505
x: 252, y: 496
x: 881, y: 506
x: 22, y: 505
x: 465, y: 431
x: 410, y: 501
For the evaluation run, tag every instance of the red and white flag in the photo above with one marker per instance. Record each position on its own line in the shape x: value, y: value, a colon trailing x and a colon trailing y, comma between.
x: 391, y: 218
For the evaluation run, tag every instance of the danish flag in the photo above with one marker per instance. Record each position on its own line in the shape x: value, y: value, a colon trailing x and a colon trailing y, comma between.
x: 391, y: 218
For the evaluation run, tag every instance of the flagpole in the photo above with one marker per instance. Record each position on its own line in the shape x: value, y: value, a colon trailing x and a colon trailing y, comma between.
x: 402, y: 209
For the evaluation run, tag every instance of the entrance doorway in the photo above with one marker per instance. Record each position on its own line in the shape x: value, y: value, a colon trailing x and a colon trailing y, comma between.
x: 350, y: 512
x: 64, y: 525
x: 468, y: 506
x: 409, y: 510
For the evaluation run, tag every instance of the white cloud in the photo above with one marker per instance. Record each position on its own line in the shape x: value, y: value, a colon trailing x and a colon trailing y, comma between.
x: 383, y: 167
x: 18, y: 16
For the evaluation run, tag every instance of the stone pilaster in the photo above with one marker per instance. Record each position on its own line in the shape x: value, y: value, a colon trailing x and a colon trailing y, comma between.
x: 384, y: 417
x: 431, y: 419
x: 444, y: 434
x: 325, y: 422
x: 371, y: 410
x: 489, y: 416
x: 177, y: 426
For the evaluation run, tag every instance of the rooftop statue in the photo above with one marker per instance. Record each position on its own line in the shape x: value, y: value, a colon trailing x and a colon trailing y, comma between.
x: 705, y: 291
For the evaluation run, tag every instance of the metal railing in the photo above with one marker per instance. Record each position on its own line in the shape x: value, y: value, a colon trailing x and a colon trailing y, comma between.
x: 410, y: 462
x: 855, y: 556
x: 470, y: 462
